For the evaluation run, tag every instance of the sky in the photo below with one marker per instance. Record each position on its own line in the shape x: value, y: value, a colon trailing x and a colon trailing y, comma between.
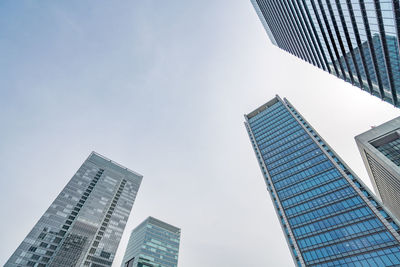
x: 160, y: 87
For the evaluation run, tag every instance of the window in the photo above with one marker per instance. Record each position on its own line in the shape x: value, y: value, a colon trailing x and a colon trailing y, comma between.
x: 105, y: 254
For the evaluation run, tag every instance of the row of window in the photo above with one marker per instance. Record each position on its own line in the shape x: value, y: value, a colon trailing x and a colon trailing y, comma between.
x: 272, y: 125
x: 289, y: 142
x: 385, y: 257
x: 391, y: 150
x: 303, y: 174
x: 302, y: 157
x: 270, y: 138
x: 334, y: 221
x: 344, y: 232
x: 348, y: 246
x: 279, y: 140
x: 320, y: 201
x: 285, y: 154
x: 315, y: 192
x: 290, y: 157
x: 307, y: 183
x: 296, y: 168
x: 327, y: 210
x: 257, y: 119
x: 171, y: 240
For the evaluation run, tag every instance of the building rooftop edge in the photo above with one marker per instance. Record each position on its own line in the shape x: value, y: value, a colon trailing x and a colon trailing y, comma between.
x: 115, y: 163
x: 158, y: 220
x: 263, y: 107
x: 378, y: 131
x: 162, y: 224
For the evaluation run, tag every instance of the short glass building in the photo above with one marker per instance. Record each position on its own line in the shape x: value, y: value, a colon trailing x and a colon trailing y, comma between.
x: 380, y: 151
x: 84, y: 224
x: 328, y: 216
x: 153, y: 243
x: 355, y: 40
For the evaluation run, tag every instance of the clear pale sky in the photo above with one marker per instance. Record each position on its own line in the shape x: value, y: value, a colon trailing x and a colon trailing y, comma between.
x: 160, y: 87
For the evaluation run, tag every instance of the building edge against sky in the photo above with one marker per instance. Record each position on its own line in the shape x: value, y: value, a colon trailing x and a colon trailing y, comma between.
x: 153, y: 243
x: 318, y: 199
x: 84, y: 224
x: 357, y: 41
x: 380, y: 150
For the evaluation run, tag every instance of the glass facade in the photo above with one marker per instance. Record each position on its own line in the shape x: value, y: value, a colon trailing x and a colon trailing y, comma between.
x: 84, y: 224
x: 328, y: 216
x: 391, y: 150
x: 153, y: 243
x: 355, y: 40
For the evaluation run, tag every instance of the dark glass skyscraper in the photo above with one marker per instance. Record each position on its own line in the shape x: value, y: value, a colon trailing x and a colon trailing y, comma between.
x: 355, y: 40
x: 327, y: 214
x: 84, y: 224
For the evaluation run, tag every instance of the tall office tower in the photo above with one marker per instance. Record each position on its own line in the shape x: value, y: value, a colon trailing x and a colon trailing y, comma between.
x: 153, y: 243
x: 355, y: 40
x: 84, y: 224
x: 380, y: 151
x: 328, y: 216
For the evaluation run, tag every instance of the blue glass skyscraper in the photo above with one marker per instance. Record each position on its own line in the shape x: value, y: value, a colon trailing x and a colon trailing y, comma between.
x: 355, y: 40
x: 327, y: 214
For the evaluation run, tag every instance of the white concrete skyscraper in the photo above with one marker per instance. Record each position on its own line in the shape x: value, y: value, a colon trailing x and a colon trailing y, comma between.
x: 380, y: 151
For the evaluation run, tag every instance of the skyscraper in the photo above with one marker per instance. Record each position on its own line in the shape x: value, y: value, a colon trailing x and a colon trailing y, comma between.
x: 84, y: 224
x: 380, y: 151
x: 153, y: 243
x: 357, y: 41
x: 328, y: 216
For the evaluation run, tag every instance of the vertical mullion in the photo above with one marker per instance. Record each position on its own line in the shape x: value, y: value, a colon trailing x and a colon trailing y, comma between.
x: 273, y: 27
x: 385, y: 51
x: 291, y: 48
x: 303, y: 32
x: 396, y: 11
x: 307, y: 16
x: 349, y: 42
x: 296, y: 41
x: 323, y: 35
x: 359, y: 43
x: 330, y: 34
x: 371, y: 47
x: 308, y: 31
x: 299, y: 32
x: 339, y: 38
